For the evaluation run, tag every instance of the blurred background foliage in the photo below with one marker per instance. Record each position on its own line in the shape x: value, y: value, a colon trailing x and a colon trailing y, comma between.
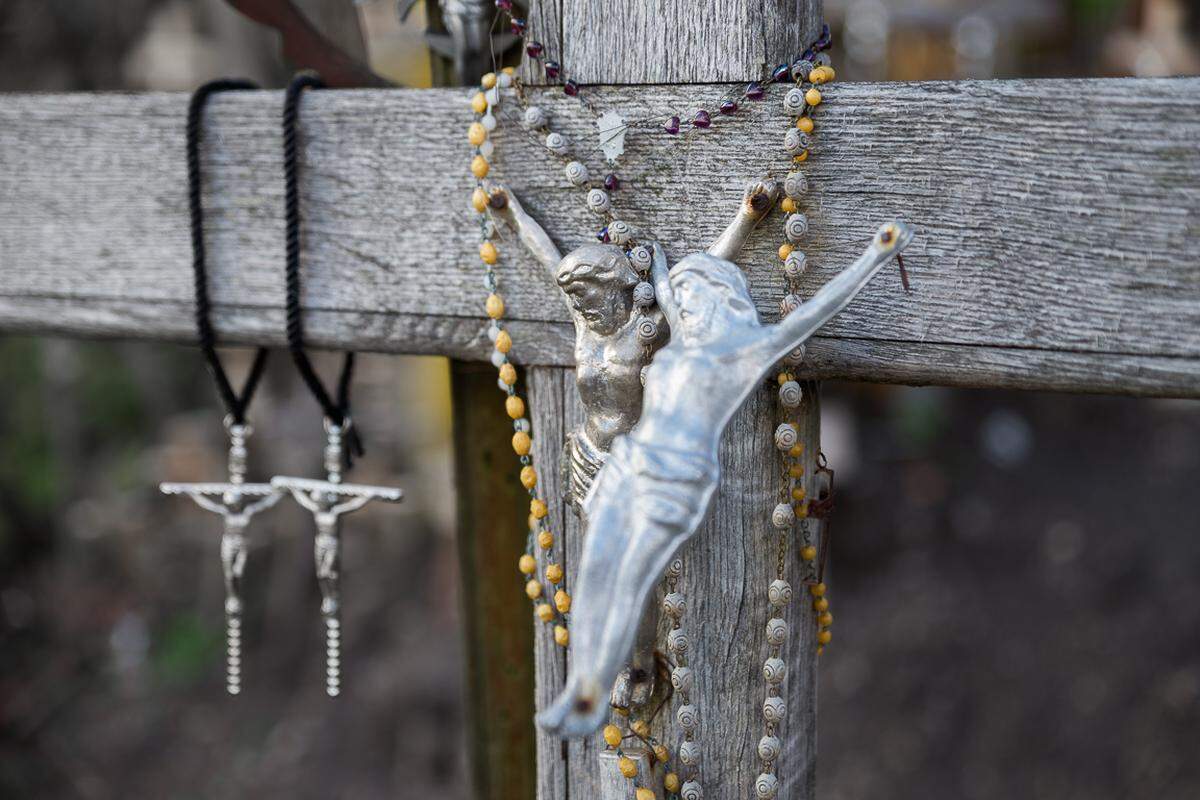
x: 1016, y: 576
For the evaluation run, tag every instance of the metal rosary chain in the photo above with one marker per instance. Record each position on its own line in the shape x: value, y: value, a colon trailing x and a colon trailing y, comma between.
x: 553, y: 611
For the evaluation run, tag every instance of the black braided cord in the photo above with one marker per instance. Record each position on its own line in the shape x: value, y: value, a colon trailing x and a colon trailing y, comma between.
x: 336, y: 411
x: 235, y: 403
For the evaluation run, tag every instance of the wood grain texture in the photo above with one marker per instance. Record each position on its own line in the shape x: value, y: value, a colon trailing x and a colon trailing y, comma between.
x: 496, y: 620
x: 672, y: 41
x: 1040, y: 262
x: 727, y: 568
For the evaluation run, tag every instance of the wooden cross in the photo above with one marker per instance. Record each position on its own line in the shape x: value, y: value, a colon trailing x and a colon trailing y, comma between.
x: 1047, y: 258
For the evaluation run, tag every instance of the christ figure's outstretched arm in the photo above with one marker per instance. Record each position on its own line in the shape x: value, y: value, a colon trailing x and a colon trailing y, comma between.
x: 757, y: 202
x: 504, y: 205
x: 838, y: 292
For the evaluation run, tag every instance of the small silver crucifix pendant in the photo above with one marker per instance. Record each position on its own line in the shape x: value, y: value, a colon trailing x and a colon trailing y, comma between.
x: 328, y: 500
x: 236, y: 502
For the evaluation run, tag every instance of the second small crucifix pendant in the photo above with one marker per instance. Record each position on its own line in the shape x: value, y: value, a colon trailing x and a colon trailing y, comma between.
x: 328, y: 500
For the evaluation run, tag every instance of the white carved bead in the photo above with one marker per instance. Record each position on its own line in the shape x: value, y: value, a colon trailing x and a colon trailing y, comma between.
x: 504, y: 80
x: 794, y: 102
x: 534, y: 117
x: 789, y: 303
x: 492, y: 96
x: 522, y: 425
x: 824, y: 60
x: 577, y: 173
x: 774, y: 709
x: 779, y: 593
x: 647, y: 330
x: 688, y: 717
x: 640, y: 257
x: 783, y: 516
x: 674, y: 605
x: 556, y: 143
x: 795, y: 227
x: 683, y: 679
x: 790, y: 394
x: 801, y: 69
x: 795, y: 264
x: 796, y: 355
x: 795, y: 185
x: 774, y: 670
x: 498, y: 359
x: 487, y: 148
x: 677, y: 641
x: 769, y: 748
x: 777, y: 631
x: 489, y: 122
x: 691, y: 791
x: 796, y: 141
x: 689, y: 753
x: 675, y: 568
x: 643, y: 295
x: 597, y: 200
x: 786, y: 436
x: 619, y: 231
x: 766, y: 786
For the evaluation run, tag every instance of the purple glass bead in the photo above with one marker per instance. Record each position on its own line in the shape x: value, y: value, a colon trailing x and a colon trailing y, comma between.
x: 603, y: 234
x: 825, y: 40
x: 754, y: 91
x: 780, y: 73
x: 571, y: 88
x: 534, y: 49
x: 552, y: 69
x: 808, y: 55
x: 504, y: 5
x: 702, y: 120
x: 672, y: 127
x: 612, y: 182
x: 517, y: 26
x: 728, y: 107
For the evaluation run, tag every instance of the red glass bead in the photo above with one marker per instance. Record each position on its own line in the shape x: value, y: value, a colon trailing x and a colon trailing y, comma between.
x: 702, y: 120
x: 728, y: 107
x: 504, y: 5
x: 612, y: 182
x: 672, y: 127
x: 552, y: 68
x: 754, y: 91
x: 534, y: 49
x: 780, y: 73
x: 571, y: 88
x: 517, y: 26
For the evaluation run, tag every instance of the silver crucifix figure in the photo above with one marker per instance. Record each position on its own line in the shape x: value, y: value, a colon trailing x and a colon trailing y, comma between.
x: 659, y: 479
x: 328, y: 500
x: 601, y: 288
x: 236, y: 502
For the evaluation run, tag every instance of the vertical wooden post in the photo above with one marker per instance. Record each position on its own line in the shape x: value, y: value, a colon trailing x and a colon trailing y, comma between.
x: 732, y: 559
x: 497, y: 626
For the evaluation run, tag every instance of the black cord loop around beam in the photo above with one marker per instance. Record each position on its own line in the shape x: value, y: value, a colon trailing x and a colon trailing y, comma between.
x: 235, y: 402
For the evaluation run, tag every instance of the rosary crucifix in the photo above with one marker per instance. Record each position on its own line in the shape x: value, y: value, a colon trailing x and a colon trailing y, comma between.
x: 236, y: 502
x: 328, y: 500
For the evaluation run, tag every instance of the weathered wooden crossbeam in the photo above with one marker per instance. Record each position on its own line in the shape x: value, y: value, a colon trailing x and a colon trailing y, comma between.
x: 1059, y: 222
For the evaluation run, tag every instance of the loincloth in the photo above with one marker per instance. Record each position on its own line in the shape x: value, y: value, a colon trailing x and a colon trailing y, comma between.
x: 581, y: 461
x: 670, y: 489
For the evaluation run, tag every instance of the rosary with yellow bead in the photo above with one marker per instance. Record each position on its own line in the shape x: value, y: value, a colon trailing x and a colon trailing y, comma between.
x: 540, y: 538
x: 797, y: 142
